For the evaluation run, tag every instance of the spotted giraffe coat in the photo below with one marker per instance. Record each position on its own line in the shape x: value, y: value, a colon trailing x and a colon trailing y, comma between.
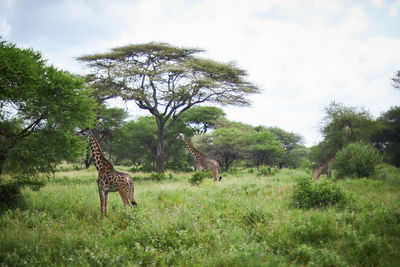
x: 201, y: 161
x: 109, y: 180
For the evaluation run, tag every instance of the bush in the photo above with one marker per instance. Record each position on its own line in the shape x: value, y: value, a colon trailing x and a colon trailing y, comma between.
x: 251, y: 170
x: 146, y: 167
x: 233, y: 171
x: 356, y: 160
x: 10, y: 191
x: 267, y: 171
x: 388, y: 173
x: 198, y: 177
x: 308, y: 194
x: 156, y: 176
x: 125, y: 162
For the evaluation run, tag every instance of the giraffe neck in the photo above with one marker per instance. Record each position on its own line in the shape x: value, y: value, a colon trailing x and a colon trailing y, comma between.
x: 100, y: 161
x: 192, y: 150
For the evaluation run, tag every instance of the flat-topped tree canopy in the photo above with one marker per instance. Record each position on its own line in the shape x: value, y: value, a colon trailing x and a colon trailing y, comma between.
x: 167, y: 80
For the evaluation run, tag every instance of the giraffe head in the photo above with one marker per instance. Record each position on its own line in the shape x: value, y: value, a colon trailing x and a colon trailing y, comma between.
x: 181, y: 136
x: 85, y: 133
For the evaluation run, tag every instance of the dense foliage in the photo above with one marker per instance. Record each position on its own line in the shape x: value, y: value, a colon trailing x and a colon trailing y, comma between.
x: 307, y: 194
x: 343, y: 126
x: 40, y: 108
x: 356, y: 160
x: 387, y: 135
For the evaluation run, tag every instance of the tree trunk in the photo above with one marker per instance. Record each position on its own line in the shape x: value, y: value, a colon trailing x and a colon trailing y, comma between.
x: 3, y: 157
x: 160, y: 152
x: 1, y: 164
x: 87, y: 159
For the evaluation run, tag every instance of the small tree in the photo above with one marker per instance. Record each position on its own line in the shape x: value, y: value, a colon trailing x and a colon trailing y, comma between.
x: 356, y: 160
x: 227, y: 145
x: 40, y: 107
x: 264, y: 148
x: 386, y: 137
x: 202, y: 118
x: 344, y: 125
x: 107, y: 121
x: 166, y: 81
x: 294, y: 152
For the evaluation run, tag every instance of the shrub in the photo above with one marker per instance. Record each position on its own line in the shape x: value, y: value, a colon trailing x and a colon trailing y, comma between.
x: 267, y: 171
x: 10, y: 191
x: 308, y: 194
x: 233, y: 171
x: 198, y: 177
x: 254, y: 216
x: 356, y: 160
x: 251, y: 170
x: 388, y: 173
x: 125, y: 162
x: 157, y: 176
x: 146, y: 167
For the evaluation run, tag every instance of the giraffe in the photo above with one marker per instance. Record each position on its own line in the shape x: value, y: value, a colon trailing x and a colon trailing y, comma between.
x: 109, y: 180
x: 324, y: 167
x: 201, y: 161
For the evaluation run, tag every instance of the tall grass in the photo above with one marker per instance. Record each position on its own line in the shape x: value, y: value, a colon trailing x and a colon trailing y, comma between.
x: 245, y: 220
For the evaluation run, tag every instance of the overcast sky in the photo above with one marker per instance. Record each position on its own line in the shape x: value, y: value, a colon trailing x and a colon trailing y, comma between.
x: 303, y: 54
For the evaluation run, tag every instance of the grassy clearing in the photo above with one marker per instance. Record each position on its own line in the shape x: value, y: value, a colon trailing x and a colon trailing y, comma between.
x: 245, y: 220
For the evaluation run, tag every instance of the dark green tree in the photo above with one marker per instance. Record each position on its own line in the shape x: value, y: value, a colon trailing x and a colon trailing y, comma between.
x: 136, y: 141
x: 202, y: 118
x: 107, y: 121
x: 226, y: 144
x: 341, y: 126
x: 264, y: 148
x: 294, y: 152
x: 167, y: 81
x: 356, y: 160
x: 387, y: 135
x: 40, y: 108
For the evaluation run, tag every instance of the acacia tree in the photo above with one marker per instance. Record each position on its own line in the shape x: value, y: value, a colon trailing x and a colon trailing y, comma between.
x: 166, y: 81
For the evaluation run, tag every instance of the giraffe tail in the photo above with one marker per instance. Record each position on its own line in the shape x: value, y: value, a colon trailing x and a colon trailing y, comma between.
x: 131, y: 194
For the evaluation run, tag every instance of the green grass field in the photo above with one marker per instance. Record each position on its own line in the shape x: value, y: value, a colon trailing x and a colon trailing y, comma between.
x: 245, y: 220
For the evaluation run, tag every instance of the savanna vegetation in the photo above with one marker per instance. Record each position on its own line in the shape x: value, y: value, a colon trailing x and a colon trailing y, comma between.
x: 266, y: 211
x: 246, y: 220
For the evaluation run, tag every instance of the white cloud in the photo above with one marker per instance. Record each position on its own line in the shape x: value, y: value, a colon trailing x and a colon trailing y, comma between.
x: 304, y: 54
x: 377, y: 3
x: 5, y: 28
x: 394, y: 8
x: 303, y: 59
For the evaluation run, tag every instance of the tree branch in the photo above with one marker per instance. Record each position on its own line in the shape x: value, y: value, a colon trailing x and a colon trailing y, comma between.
x: 26, y: 132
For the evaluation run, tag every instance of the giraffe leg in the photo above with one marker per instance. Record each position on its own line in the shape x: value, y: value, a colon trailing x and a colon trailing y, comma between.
x: 214, y: 174
x: 328, y: 174
x: 131, y: 194
x: 105, y: 202
x: 124, y: 197
x: 102, y: 201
